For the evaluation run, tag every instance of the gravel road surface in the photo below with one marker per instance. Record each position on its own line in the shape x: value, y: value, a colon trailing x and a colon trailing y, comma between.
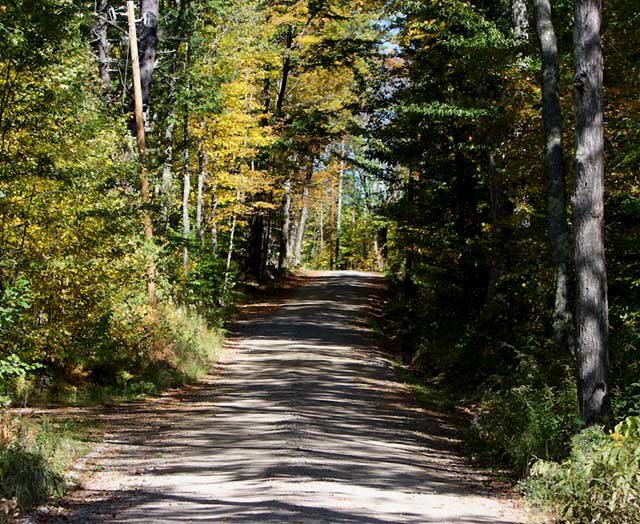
x: 304, y: 422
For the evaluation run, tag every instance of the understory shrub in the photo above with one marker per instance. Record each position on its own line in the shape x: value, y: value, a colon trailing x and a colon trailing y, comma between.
x: 598, y: 482
x: 147, y: 350
x: 175, y: 339
x: 513, y: 426
x: 33, y: 456
x: 27, y: 477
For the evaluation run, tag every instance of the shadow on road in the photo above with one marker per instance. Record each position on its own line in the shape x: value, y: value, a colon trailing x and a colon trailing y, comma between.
x: 306, y: 423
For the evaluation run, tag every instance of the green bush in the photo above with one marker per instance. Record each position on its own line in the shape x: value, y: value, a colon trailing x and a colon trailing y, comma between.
x: 599, y: 482
x: 148, y: 349
x: 28, y: 477
x: 33, y: 455
x: 514, y: 426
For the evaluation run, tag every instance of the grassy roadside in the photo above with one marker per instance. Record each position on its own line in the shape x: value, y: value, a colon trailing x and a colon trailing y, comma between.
x: 37, y: 451
x: 427, y: 395
x: 35, y: 455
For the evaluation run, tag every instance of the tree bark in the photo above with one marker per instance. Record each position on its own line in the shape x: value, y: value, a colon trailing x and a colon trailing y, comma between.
x: 186, y: 191
x: 563, y: 327
x: 148, y: 43
x: 266, y: 242
x: 202, y: 175
x: 286, y: 221
x: 214, y: 223
x: 339, y: 213
x: 592, y: 322
x: 166, y: 188
x: 234, y: 221
x: 520, y: 20
x: 102, y: 47
x: 332, y: 232
x: 286, y: 69
x: 141, y: 141
x: 321, y: 213
x: 303, y: 215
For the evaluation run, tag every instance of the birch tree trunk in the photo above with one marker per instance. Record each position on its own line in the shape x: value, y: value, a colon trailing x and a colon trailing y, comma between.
x: 321, y: 251
x: 286, y: 220
x: 166, y: 188
x: 554, y: 170
x: 339, y: 212
x: 202, y: 175
x: 186, y: 191
x: 520, y: 20
x: 234, y: 221
x: 102, y: 46
x: 332, y: 232
x: 303, y: 215
x: 214, y: 222
x: 592, y: 323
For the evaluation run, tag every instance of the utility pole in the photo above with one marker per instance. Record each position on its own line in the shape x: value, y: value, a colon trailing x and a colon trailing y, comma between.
x: 140, y: 137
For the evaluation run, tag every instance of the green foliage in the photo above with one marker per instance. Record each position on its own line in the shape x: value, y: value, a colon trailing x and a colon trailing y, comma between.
x: 454, y: 128
x: 149, y: 350
x: 15, y: 300
x: 13, y: 379
x: 12, y: 366
x: 427, y: 395
x: 513, y: 426
x: 27, y: 477
x: 33, y: 456
x: 599, y: 482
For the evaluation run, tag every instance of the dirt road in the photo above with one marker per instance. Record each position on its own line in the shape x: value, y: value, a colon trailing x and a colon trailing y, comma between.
x: 305, y: 423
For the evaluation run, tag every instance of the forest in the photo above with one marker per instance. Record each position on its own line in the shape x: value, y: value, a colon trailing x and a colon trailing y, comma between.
x: 160, y: 160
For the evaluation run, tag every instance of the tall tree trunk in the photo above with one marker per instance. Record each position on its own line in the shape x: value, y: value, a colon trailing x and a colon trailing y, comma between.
x: 286, y: 69
x: 255, y: 246
x: 321, y: 248
x: 332, y: 232
x: 501, y: 213
x: 303, y: 215
x: 148, y: 43
x: 409, y: 240
x: 563, y: 327
x: 379, y: 262
x: 167, y: 165
x: 266, y: 241
x: 141, y: 141
x: 592, y: 323
x: 214, y: 221
x: 102, y: 47
x: 167, y: 174
x: 286, y: 220
x: 234, y: 221
x: 186, y: 190
x: 339, y: 213
x: 202, y: 175
x: 520, y: 20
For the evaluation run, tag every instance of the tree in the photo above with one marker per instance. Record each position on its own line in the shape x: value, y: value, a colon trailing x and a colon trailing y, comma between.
x: 592, y: 323
x: 563, y: 328
x: 148, y: 42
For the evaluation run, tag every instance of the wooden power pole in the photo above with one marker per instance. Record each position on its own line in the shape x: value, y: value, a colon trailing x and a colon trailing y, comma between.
x: 140, y: 137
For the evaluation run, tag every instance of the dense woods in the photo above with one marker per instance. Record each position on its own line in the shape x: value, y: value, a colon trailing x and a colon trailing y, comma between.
x: 483, y: 153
